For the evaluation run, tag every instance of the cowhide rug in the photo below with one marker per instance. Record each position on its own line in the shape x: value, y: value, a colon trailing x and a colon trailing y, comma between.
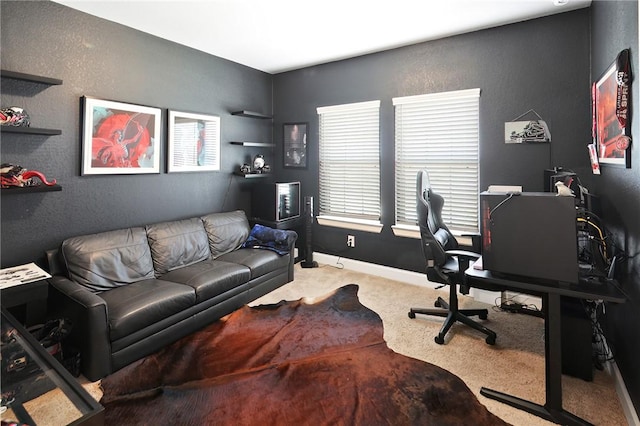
x: 290, y: 363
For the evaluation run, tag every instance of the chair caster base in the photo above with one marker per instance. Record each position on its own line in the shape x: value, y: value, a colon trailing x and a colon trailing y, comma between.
x: 412, y: 314
x: 491, y: 340
x: 439, y: 340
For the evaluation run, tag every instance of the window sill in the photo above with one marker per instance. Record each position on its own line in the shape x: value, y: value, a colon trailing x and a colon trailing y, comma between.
x: 406, y: 231
x: 409, y: 231
x: 348, y: 223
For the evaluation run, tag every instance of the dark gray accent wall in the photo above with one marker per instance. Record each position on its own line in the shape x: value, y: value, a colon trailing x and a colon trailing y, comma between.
x: 614, y: 28
x: 106, y: 60
x: 542, y: 64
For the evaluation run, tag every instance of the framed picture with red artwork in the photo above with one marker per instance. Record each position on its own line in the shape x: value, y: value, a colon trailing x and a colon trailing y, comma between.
x: 611, y: 99
x: 119, y: 138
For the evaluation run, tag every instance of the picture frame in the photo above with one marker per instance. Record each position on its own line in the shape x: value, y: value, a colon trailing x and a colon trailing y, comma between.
x: 194, y: 142
x: 120, y: 138
x: 295, y: 147
x: 611, y: 113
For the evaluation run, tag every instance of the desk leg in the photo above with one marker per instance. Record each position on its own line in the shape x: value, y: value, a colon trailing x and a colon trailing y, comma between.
x: 552, y: 409
x: 553, y: 351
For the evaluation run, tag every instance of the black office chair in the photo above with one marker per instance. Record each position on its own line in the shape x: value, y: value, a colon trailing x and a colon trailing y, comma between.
x: 445, y: 262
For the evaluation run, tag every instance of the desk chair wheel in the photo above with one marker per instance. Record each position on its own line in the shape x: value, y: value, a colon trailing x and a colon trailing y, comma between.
x: 483, y: 316
x: 439, y: 339
x: 412, y: 315
x: 491, y: 340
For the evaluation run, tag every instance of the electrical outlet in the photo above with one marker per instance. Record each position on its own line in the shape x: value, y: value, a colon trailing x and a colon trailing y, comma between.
x: 351, y: 241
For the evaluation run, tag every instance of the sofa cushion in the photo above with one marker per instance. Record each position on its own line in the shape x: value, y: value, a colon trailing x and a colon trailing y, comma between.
x: 259, y: 261
x: 226, y: 231
x: 103, y: 261
x: 138, y: 305
x: 177, y: 244
x: 210, y: 278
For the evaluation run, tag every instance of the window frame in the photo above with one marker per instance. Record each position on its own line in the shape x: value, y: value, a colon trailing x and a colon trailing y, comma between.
x: 406, y: 196
x: 365, y: 217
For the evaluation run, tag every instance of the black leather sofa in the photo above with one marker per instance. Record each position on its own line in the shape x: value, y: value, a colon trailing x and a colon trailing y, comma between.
x: 131, y: 291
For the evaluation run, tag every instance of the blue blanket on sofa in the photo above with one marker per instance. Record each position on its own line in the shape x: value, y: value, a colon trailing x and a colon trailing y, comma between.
x: 268, y: 238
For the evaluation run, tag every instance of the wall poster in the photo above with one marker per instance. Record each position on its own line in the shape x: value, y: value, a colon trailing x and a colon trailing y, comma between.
x: 611, y: 100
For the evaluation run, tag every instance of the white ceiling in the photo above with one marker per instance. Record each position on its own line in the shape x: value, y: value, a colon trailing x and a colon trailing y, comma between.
x: 282, y: 35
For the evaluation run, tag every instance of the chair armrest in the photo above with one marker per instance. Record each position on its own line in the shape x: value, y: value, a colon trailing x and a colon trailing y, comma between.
x: 464, y: 260
x: 464, y: 254
x: 476, y: 240
x: 90, y: 317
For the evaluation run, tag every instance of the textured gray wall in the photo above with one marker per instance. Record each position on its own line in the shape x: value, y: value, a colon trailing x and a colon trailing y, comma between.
x: 102, y: 59
x: 614, y: 28
x: 541, y: 64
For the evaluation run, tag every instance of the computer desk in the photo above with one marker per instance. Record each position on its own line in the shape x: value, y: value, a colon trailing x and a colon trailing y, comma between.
x: 550, y: 293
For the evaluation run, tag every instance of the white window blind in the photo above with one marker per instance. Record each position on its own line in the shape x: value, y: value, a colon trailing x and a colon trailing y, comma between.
x: 440, y: 133
x: 196, y: 143
x: 350, y: 160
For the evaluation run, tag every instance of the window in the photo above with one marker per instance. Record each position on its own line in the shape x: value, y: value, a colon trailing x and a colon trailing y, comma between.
x: 350, y: 166
x: 438, y: 132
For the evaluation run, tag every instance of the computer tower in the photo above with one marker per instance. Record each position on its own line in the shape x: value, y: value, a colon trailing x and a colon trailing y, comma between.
x: 531, y: 234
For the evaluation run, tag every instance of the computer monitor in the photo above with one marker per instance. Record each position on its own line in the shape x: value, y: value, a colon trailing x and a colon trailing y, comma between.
x: 532, y: 234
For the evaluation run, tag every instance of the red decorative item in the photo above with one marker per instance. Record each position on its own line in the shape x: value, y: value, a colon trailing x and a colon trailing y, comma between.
x: 14, y: 116
x: 17, y: 176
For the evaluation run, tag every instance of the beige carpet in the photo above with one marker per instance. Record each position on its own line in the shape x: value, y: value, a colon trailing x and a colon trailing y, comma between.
x: 514, y: 365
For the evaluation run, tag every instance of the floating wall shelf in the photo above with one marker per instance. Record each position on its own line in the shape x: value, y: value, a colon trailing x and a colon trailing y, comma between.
x: 30, y: 77
x: 255, y: 144
x: 30, y: 130
x: 30, y: 189
x: 251, y: 114
x: 251, y: 175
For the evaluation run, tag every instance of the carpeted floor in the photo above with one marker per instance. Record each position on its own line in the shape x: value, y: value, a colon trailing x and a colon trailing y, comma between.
x: 514, y: 365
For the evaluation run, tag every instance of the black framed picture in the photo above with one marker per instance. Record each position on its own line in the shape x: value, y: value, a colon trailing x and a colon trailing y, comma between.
x: 295, y: 145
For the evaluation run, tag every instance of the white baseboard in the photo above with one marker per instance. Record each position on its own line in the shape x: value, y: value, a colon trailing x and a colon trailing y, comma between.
x: 623, y: 395
x: 484, y: 296
x: 409, y: 277
x: 388, y: 272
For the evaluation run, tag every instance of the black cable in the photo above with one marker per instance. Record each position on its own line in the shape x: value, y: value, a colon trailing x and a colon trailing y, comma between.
x: 224, y: 200
x: 603, y: 351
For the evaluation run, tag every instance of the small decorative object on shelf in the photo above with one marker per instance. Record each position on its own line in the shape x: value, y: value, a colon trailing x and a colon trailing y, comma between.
x: 14, y: 116
x: 17, y: 176
x: 246, y: 172
x: 258, y: 163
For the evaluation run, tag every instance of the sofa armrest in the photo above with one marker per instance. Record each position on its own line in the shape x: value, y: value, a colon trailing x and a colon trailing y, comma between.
x: 292, y: 236
x: 89, y: 315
